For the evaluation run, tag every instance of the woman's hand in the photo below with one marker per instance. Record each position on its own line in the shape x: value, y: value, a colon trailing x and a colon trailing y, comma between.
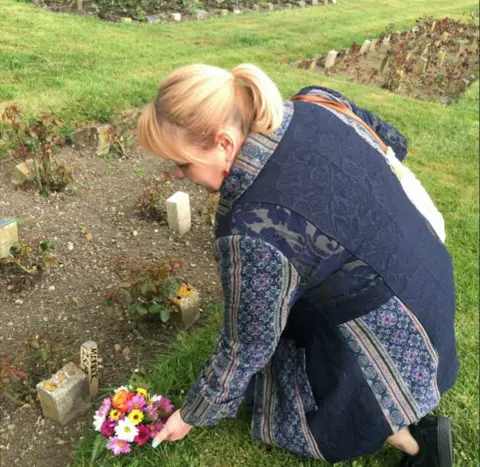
x: 174, y: 430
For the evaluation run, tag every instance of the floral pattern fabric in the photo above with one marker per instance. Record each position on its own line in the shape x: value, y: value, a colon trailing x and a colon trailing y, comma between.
x: 271, y: 258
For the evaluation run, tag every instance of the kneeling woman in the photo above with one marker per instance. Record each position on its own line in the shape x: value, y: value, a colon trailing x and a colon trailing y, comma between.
x: 339, y: 295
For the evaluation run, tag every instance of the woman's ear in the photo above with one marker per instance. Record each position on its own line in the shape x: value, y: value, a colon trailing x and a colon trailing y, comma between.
x: 226, y: 143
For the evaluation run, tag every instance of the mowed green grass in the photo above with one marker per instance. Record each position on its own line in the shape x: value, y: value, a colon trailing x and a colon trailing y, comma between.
x: 83, y: 69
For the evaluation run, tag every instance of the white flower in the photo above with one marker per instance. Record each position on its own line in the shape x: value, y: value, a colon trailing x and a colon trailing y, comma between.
x: 121, y: 388
x: 126, y: 430
x: 156, y: 398
x: 98, y: 421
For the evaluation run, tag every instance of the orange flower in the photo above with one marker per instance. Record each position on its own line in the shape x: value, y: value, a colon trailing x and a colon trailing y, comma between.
x: 175, y: 301
x: 185, y: 291
x: 120, y: 400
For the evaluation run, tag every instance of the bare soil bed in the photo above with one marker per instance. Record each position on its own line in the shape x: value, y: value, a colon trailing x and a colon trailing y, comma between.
x: 65, y: 307
x: 434, y: 61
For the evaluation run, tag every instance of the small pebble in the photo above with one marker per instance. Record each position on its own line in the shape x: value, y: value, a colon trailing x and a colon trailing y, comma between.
x: 51, y: 288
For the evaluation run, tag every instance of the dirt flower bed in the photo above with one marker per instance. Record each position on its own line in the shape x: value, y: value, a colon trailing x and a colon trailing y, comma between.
x: 162, y: 11
x: 76, y: 237
x: 436, y: 60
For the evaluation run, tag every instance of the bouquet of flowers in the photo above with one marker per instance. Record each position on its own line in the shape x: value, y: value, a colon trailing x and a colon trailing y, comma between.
x: 130, y: 416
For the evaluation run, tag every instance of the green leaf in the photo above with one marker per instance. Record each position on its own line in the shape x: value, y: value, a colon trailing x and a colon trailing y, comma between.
x: 99, y: 444
x: 141, y: 310
x: 170, y: 287
x: 164, y: 315
x: 147, y: 287
x: 34, y: 344
x: 155, y: 308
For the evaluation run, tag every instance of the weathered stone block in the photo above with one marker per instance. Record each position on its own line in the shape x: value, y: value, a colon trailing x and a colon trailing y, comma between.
x: 331, y: 57
x: 256, y: 7
x: 8, y: 236
x: 301, y: 4
x: 89, y: 365
x: 224, y: 12
x: 441, y: 57
x: 104, y: 139
x: 64, y: 396
x: 23, y: 172
x: 176, y: 17
x: 126, y: 20
x: 269, y: 6
x: 178, y: 213
x: 85, y: 137
x: 187, y: 311
x: 200, y: 14
x: 365, y: 47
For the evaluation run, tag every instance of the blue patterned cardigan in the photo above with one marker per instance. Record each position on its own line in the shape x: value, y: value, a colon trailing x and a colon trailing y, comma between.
x: 297, y: 231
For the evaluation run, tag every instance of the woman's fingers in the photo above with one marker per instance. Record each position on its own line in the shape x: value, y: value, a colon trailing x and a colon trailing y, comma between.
x: 174, y: 430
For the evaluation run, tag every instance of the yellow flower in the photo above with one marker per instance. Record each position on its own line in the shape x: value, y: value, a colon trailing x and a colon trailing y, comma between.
x: 185, y: 291
x: 135, y: 416
x: 115, y: 414
x: 142, y: 392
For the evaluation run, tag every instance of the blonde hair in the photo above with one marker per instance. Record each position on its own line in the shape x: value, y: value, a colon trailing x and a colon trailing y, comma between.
x: 195, y: 102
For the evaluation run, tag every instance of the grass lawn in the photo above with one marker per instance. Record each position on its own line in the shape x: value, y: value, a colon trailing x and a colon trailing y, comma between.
x: 84, y: 69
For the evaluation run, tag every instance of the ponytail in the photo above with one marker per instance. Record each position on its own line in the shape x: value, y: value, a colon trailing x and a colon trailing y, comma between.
x: 267, y: 108
x: 195, y: 102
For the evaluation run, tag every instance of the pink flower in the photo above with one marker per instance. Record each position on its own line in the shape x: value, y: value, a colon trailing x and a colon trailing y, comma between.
x: 151, y: 411
x: 165, y: 405
x: 105, y: 407
x: 155, y: 428
x: 117, y: 446
x: 137, y: 402
x: 108, y: 427
x: 143, y: 435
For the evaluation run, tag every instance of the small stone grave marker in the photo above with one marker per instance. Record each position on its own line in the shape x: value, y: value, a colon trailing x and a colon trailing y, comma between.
x: 23, y: 172
x: 187, y: 310
x: 89, y: 365
x: 365, y: 47
x: 178, y: 213
x: 441, y: 57
x: 64, y: 396
x: 8, y: 236
x: 330, y: 61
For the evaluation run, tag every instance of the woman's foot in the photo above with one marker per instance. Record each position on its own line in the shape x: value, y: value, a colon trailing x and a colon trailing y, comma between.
x: 434, y: 436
